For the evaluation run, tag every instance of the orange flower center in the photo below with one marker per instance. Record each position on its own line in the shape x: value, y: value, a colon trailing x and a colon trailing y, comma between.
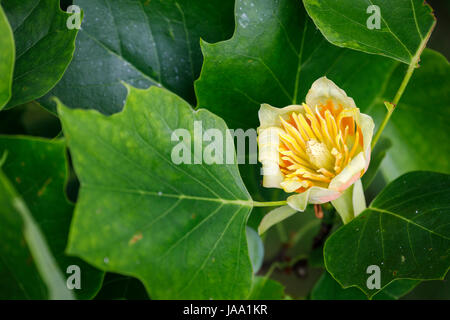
x: 317, y: 145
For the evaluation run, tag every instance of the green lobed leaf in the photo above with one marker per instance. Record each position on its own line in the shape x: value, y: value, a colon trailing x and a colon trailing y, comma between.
x: 44, y: 47
x: 143, y: 43
x: 7, y: 54
x: 38, y: 171
x: 274, y: 56
x: 403, y: 31
x: 27, y: 268
x: 180, y: 229
x: 405, y: 232
x: 327, y: 288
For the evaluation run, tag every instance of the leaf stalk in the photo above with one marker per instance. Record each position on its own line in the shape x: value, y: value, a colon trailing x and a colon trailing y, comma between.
x: 269, y: 203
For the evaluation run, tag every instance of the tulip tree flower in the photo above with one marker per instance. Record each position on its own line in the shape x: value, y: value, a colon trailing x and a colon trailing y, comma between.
x: 318, y: 151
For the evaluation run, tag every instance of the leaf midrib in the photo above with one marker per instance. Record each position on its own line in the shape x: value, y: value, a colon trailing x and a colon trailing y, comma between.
x: 244, y: 203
